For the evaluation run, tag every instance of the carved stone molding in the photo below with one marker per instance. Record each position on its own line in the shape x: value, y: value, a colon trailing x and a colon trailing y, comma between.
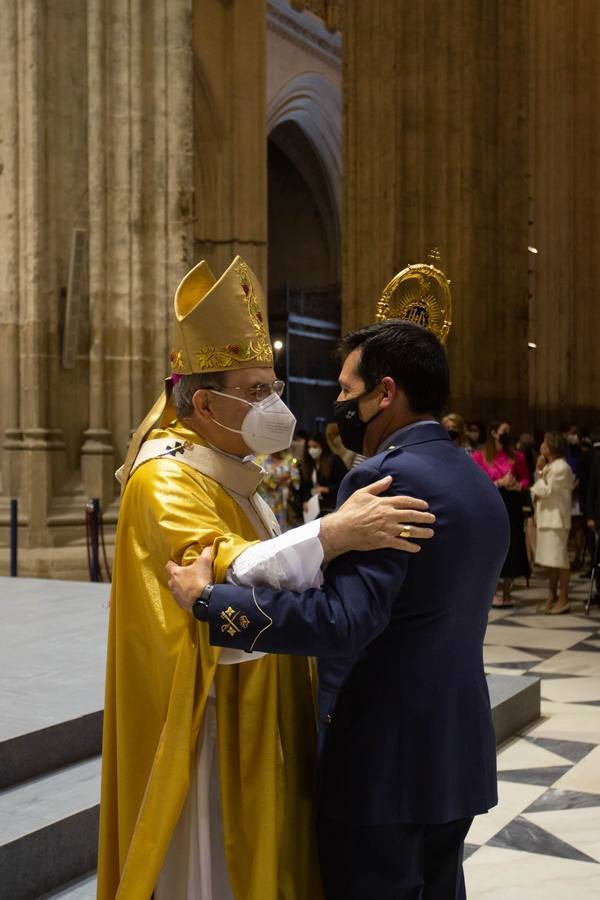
x: 304, y: 33
x: 329, y: 11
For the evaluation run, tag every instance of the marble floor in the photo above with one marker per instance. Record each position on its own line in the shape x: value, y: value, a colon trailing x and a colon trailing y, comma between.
x: 542, y: 841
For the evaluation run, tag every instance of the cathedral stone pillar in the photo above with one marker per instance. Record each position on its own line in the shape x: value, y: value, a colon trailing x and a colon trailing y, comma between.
x: 436, y: 154
x: 97, y: 458
x: 32, y: 449
x: 231, y: 134
x: 141, y: 206
x: 97, y: 133
x: 565, y: 214
x: 10, y: 432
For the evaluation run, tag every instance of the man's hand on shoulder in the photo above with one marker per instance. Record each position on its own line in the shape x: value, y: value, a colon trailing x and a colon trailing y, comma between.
x: 367, y: 521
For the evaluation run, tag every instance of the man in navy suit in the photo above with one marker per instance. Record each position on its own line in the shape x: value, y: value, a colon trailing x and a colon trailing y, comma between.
x: 407, y: 750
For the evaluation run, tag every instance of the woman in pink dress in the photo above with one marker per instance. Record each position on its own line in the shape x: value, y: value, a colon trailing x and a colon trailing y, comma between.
x: 508, y: 470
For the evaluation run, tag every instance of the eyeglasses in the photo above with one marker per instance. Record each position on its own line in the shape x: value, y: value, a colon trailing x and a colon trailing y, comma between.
x: 258, y: 392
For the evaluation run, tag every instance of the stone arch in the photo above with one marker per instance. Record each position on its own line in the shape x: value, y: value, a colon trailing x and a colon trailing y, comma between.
x: 313, y: 104
x: 304, y: 178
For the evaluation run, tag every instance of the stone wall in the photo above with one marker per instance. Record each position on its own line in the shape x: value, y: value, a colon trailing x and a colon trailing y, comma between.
x: 474, y: 126
x: 565, y: 213
x: 97, y: 134
x: 436, y: 155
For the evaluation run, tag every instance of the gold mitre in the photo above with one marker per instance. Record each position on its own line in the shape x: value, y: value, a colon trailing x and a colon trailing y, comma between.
x: 217, y: 325
x: 220, y: 324
x: 421, y: 294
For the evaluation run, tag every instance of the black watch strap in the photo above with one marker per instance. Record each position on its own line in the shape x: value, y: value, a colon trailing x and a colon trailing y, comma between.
x: 200, y: 607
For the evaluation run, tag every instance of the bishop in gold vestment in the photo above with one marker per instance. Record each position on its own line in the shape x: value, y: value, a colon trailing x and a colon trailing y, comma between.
x: 162, y: 674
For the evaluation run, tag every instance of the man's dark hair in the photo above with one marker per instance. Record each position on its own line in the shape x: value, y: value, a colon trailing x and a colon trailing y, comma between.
x: 406, y: 352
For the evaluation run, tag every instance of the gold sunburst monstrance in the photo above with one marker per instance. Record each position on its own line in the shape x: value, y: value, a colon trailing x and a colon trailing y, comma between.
x: 421, y: 294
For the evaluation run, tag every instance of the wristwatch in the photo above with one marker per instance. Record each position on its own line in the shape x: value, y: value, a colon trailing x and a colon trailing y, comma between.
x: 200, y: 607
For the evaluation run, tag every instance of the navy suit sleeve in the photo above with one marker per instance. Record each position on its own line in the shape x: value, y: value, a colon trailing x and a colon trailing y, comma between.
x: 353, y: 606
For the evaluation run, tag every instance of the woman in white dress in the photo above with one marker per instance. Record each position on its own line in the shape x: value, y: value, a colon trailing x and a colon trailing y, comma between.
x: 552, y: 491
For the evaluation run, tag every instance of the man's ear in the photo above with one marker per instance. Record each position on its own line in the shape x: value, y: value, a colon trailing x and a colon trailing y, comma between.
x: 202, y: 403
x: 390, y: 391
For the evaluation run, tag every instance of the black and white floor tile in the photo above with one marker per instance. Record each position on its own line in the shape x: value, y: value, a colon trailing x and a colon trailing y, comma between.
x: 542, y: 841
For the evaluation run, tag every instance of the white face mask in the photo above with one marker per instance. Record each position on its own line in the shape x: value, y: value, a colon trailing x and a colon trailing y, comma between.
x: 315, y: 452
x: 267, y: 427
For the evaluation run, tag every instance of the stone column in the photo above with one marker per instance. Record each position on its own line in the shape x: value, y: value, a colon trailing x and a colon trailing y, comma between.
x: 230, y: 122
x: 175, y: 152
x: 565, y: 222
x: 141, y: 210
x: 9, y: 265
x: 97, y: 451
x: 39, y: 447
x: 436, y: 154
x: 97, y: 128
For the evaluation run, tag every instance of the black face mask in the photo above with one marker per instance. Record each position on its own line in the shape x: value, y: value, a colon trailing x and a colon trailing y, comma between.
x: 454, y: 435
x: 352, y: 428
x: 504, y: 439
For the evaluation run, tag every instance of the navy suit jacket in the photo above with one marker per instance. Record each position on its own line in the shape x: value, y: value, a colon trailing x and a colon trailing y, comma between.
x: 406, y: 730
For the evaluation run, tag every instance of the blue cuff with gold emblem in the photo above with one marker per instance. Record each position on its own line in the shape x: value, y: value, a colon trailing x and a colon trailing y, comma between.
x: 235, y: 618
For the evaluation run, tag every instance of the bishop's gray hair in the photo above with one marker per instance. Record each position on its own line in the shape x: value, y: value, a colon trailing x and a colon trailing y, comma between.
x: 186, y: 387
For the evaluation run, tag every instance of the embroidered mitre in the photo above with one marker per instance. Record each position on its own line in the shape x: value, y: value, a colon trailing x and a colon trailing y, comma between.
x: 220, y: 324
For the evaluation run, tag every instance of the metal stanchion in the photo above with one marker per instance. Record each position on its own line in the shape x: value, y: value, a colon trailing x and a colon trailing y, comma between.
x: 14, y: 536
x: 94, y: 527
x: 92, y: 517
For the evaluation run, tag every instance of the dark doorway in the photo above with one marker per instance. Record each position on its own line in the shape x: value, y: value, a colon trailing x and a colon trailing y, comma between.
x: 303, y: 274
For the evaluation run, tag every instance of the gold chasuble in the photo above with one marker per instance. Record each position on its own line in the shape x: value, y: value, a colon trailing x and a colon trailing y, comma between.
x: 160, y: 669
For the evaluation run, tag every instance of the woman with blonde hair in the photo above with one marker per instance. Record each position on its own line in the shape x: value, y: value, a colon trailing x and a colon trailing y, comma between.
x: 552, y: 492
x: 455, y: 426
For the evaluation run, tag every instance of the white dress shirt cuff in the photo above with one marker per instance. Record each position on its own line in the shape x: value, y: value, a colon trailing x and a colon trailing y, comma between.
x: 291, y: 561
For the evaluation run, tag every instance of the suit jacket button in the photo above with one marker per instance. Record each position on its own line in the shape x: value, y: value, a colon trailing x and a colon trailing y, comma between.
x: 328, y: 719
